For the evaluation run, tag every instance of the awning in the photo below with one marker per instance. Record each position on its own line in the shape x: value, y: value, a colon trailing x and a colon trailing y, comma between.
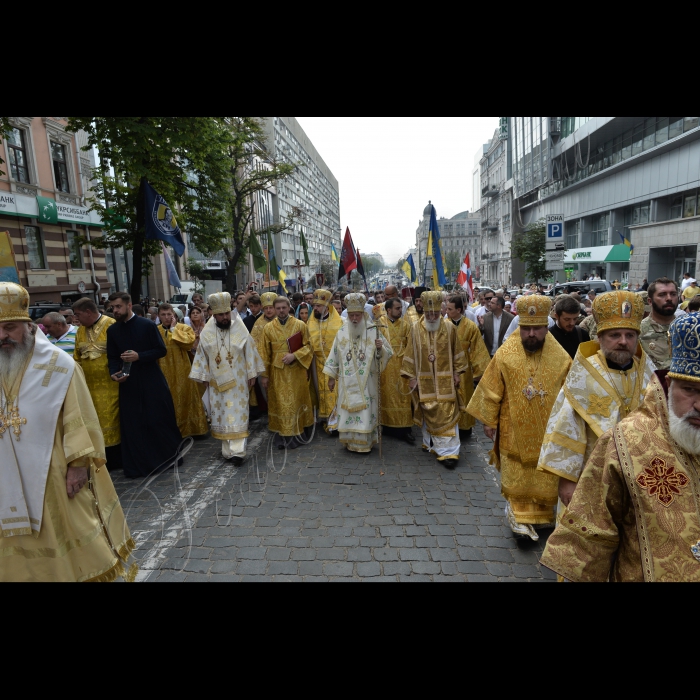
x: 603, y: 254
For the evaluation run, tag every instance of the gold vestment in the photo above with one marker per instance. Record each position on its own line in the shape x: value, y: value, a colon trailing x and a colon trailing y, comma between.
x: 478, y: 359
x: 288, y: 396
x: 91, y: 355
x: 516, y: 395
x: 322, y: 335
x: 81, y: 540
x: 412, y: 315
x: 436, y: 401
x: 593, y: 400
x: 257, y: 334
x: 635, y: 516
x: 397, y: 411
x: 176, y: 366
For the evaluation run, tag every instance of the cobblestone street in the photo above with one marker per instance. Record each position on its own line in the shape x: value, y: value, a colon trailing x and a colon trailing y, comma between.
x: 326, y: 515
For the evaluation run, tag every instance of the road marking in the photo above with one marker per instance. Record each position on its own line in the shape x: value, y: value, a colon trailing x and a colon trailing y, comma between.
x: 188, y: 515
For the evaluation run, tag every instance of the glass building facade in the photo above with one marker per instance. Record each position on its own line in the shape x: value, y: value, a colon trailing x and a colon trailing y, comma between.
x: 530, y: 143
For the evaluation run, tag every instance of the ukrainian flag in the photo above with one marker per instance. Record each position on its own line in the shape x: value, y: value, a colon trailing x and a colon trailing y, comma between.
x: 627, y: 242
x: 409, y: 269
x: 334, y: 254
x: 435, y: 252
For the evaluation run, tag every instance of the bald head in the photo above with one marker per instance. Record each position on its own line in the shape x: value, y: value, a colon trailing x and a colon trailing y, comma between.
x: 392, y: 292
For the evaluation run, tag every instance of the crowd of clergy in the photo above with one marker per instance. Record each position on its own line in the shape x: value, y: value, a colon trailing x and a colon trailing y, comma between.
x: 595, y: 430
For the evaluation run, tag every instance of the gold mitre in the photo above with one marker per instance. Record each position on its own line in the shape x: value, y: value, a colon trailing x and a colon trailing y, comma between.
x: 322, y: 297
x: 615, y: 310
x: 14, y: 302
x: 534, y: 311
x: 220, y: 303
x: 355, y: 303
x: 268, y: 299
x: 432, y: 301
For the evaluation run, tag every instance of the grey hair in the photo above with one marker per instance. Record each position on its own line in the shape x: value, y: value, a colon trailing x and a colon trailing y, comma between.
x: 54, y: 317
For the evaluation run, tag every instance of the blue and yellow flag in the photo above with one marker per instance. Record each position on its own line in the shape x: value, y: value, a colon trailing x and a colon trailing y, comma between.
x: 627, y: 242
x: 409, y: 269
x: 334, y: 254
x: 435, y: 251
x: 282, y: 279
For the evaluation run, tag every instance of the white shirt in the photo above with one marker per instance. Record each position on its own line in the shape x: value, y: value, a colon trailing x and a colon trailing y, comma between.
x: 471, y: 316
x: 496, y: 333
x: 685, y: 285
x: 516, y: 324
x: 481, y: 311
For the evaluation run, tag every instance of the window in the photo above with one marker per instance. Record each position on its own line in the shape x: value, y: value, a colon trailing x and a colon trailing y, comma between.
x: 35, y: 247
x: 18, y: 155
x: 573, y: 237
x: 75, y: 250
x: 60, y: 167
x: 600, y: 234
x: 689, y: 205
x: 677, y: 207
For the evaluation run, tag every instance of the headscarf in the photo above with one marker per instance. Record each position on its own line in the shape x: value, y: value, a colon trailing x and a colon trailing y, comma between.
x: 299, y: 309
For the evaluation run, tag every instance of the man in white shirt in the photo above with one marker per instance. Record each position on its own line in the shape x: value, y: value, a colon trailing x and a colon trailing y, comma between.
x: 686, y: 282
x: 485, y: 307
x: 495, y: 325
x: 61, y: 334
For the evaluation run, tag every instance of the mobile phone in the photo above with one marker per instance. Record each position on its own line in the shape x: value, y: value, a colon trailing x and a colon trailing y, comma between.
x: 126, y: 369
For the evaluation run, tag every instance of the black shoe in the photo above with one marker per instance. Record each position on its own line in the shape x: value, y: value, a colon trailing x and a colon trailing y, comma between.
x: 236, y: 461
x: 450, y: 464
x: 408, y: 437
x: 466, y: 434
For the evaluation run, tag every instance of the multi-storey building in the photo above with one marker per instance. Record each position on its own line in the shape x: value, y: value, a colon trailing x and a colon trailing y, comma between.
x: 43, y: 206
x: 459, y: 235
x: 613, y: 178
x: 496, y: 206
x: 313, y: 190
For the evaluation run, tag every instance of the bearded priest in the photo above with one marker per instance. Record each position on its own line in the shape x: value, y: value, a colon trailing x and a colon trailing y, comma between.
x: 60, y: 517
x: 514, y: 401
x: 635, y: 514
x: 359, y: 355
x: 607, y: 383
x: 434, y: 363
x: 227, y: 363
x: 323, y: 325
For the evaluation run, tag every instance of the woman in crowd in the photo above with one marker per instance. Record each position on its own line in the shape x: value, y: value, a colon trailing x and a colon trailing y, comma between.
x: 303, y: 312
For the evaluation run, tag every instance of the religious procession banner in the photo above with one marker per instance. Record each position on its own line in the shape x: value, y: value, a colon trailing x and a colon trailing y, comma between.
x: 8, y: 264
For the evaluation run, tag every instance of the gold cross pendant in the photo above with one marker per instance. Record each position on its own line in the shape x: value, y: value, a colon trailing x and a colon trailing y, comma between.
x: 11, y: 421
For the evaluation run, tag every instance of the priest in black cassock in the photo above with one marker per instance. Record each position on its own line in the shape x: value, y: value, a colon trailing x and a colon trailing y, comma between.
x: 150, y: 436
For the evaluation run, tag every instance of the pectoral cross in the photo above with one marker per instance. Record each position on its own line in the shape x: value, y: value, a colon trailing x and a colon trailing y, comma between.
x: 13, y: 421
x: 530, y: 392
x: 51, y: 369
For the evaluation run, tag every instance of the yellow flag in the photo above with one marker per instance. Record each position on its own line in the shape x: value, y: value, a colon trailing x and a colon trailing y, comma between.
x: 283, y: 280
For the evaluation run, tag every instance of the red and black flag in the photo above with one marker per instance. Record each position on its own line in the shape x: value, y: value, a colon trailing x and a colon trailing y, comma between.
x: 348, y: 257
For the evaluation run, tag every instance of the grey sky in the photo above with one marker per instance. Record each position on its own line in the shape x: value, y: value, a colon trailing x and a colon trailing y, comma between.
x: 389, y: 167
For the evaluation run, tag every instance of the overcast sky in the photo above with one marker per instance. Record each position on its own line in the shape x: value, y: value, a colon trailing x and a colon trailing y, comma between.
x: 390, y: 167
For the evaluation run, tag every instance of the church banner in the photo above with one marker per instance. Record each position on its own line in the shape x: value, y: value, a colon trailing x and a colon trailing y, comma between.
x: 8, y: 265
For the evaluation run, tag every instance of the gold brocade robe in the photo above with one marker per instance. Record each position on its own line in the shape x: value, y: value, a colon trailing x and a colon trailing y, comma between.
x: 635, y: 516
x: 322, y: 335
x: 436, y: 401
x: 257, y: 334
x: 176, y: 366
x: 81, y: 540
x: 478, y: 359
x: 588, y: 406
x: 397, y: 411
x: 91, y: 355
x: 501, y: 401
x: 412, y: 316
x: 288, y: 396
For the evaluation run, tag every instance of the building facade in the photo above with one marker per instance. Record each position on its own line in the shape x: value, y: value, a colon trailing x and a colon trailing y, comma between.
x: 459, y: 235
x: 44, y: 208
x: 313, y: 190
x: 613, y: 178
x: 496, y: 208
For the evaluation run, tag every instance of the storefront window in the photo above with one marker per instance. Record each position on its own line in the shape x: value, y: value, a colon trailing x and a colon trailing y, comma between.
x: 35, y: 248
x: 75, y: 250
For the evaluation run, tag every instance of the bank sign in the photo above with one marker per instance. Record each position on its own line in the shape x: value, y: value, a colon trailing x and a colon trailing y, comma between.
x: 17, y: 205
x: 583, y: 256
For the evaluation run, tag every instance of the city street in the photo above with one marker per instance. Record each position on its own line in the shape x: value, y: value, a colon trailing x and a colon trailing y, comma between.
x: 326, y: 515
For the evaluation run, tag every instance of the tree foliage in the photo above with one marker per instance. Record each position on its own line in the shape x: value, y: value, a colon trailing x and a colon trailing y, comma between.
x: 372, y: 265
x: 197, y: 272
x: 530, y: 247
x: 251, y: 169
x: 4, y: 130
x: 453, y: 264
x: 330, y: 272
x: 182, y: 159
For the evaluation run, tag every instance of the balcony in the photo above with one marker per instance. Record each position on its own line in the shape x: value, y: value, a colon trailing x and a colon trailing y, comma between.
x: 489, y: 226
x: 490, y: 191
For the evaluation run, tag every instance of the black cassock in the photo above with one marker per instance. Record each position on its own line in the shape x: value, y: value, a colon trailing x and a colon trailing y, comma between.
x: 150, y: 436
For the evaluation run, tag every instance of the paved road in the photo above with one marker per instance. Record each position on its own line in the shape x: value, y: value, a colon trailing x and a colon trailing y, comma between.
x: 324, y: 514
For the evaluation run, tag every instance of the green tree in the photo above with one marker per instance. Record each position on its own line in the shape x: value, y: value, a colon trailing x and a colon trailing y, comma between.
x: 197, y: 272
x: 372, y: 265
x: 453, y: 265
x: 4, y: 130
x: 530, y: 247
x: 400, y: 264
x: 252, y: 169
x: 330, y: 272
x: 179, y: 156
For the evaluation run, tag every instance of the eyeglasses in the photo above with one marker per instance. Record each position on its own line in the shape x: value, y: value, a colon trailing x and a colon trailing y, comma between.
x: 489, y: 298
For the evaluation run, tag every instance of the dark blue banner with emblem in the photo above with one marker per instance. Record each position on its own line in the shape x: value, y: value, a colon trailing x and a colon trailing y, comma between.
x: 160, y: 221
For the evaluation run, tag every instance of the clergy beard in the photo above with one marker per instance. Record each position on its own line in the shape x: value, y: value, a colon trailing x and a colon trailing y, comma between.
x: 621, y: 358
x: 223, y: 325
x: 685, y: 434
x: 432, y: 326
x: 13, y: 356
x: 320, y: 317
x: 359, y: 327
x: 533, y: 345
